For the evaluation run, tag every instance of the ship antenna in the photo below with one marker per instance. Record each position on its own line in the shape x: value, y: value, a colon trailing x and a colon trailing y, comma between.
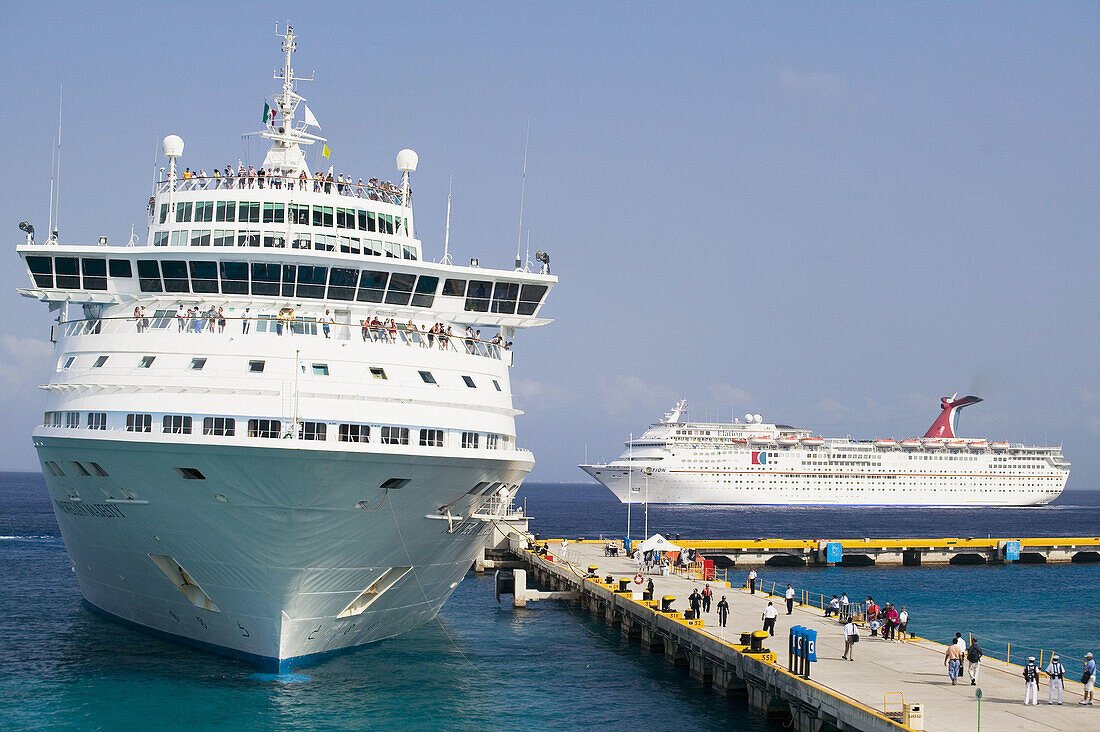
x: 522, y: 191
x: 55, y: 193
x: 447, y: 234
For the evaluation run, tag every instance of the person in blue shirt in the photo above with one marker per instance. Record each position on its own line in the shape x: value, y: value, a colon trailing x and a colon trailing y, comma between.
x: 1089, y: 679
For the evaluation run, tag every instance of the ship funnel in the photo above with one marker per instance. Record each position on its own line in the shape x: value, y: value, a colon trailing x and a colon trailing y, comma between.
x: 948, y: 421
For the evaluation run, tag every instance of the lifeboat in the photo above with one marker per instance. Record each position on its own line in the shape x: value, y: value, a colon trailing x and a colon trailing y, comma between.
x: 956, y: 444
x: 932, y: 442
x: 886, y: 443
x: 910, y: 444
x: 813, y: 441
x: 761, y: 440
x: 788, y: 441
x: 977, y: 444
x: 999, y: 445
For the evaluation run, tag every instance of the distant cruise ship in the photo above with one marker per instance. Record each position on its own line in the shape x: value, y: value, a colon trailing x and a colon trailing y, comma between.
x: 277, y: 431
x: 757, y: 463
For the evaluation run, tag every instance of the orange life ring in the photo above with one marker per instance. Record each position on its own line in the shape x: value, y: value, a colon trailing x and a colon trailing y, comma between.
x: 639, y: 579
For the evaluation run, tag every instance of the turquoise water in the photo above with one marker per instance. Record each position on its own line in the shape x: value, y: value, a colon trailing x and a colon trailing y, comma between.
x: 482, y: 666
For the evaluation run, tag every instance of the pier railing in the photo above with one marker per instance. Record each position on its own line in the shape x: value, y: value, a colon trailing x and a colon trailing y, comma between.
x: 270, y: 326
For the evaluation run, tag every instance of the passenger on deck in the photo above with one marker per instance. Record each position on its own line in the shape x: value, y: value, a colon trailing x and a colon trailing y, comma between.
x: 221, y: 320
x: 260, y: 178
x: 229, y: 177
x: 302, y: 181
x: 181, y: 314
x: 244, y: 320
x: 251, y: 177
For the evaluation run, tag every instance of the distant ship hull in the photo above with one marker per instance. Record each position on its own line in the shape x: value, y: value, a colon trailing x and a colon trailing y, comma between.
x: 274, y: 542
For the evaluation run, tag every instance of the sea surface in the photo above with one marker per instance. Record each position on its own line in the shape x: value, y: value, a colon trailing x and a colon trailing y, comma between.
x: 488, y: 666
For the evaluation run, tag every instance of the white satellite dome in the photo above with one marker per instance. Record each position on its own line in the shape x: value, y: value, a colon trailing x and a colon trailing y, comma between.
x: 748, y: 419
x: 172, y: 146
x: 757, y: 418
x: 407, y: 160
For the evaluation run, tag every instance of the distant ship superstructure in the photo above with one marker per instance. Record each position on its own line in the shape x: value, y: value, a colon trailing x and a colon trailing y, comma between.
x: 757, y: 463
x: 278, y: 431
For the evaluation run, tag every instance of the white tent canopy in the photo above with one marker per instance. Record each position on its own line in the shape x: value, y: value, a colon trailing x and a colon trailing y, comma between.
x: 657, y: 543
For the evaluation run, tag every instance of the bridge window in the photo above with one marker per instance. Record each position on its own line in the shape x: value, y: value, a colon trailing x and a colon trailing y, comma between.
x: 424, y: 295
x: 400, y: 289
x: 454, y: 288
x: 248, y: 238
x: 204, y: 276
x: 311, y: 281
x: 299, y: 214
x: 341, y: 283
x: 469, y: 439
x: 263, y: 428
x: 274, y: 239
x: 224, y: 237
x: 219, y: 426
x: 97, y: 420
x: 42, y: 271
x: 68, y: 272
x: 354, y: 433
x: 95, y: 273
x: 322, y: 216
x: 372, y: 285
x: 72, y: 420
x: 301, y: 240
x: 265, y: 278
x: 163, y: 212
x: 529, y: 298
x: 477, y: 296
x: 179, y: 238
x: 183, y: 212
x: 120, y: 268
x: 234, y: 278
x: 175, y: 276
x: 204, y: 211
x: 504, y: 297
x: 372, y: 247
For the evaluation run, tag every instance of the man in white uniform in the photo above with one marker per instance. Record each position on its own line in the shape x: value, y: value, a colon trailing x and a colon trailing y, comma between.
x: 1057, y: 674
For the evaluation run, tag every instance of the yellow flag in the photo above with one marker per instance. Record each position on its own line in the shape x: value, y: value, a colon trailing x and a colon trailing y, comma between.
x: 325, y: 152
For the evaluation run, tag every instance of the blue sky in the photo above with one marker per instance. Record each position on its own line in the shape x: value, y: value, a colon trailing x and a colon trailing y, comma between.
x: 830, y: 214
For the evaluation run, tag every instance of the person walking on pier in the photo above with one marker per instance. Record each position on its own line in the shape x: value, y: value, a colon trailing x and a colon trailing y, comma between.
x: 752, y: 581
x: 769, y: 615
x: 1031, y: 682
x: 695, y: 599
x: 851, y: 637
x: 1057, y: 674
x: 974, y: 659
x: 952, y: 658
x: 707, y: 595
x: 891, y: 622
x: 1088, y: 678
x: 724, y: 612
x: 790, y: 599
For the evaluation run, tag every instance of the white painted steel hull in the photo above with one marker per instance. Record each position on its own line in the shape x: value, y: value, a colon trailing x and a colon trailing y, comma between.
x: 283, y: 554
x: 760, y: 487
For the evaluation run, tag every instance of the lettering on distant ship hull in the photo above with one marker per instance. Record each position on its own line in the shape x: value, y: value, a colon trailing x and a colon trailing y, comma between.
x: 99, y: 510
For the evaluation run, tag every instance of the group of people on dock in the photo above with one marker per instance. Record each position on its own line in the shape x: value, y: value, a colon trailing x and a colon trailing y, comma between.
x: 253, y: 178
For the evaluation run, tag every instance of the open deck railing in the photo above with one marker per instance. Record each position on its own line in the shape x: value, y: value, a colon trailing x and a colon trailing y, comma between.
x: 289, y: 184
x: 274, y: 326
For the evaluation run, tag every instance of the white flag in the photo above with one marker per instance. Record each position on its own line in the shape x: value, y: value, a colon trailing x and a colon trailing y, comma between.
x: 310, y: 119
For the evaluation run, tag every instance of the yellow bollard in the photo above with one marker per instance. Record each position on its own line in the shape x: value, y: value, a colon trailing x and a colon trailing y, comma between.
x: 1040, y: 658
x: 1008, y: 654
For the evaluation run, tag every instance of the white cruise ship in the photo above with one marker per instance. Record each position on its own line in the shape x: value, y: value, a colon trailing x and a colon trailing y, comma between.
x: 752, y: 462
x: 269, y: 432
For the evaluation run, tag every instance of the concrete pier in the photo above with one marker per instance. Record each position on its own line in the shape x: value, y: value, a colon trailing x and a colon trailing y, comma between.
x: 902, y: 552
x: 839, y: 695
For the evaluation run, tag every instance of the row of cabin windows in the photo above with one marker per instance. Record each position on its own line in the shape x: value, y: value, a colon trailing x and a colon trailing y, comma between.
x: 278, y: 240
x: 253, y: 212
x: 256, y: 366
x: 181, y: 424
x: 288, y: 280
x: 91, y: 469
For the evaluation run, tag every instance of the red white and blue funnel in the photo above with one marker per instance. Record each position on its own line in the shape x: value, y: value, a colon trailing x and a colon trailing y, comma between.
x: 948, y: 421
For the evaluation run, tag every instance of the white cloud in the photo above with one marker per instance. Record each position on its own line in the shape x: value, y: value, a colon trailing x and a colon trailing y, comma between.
x: 818, y: 84
x: 540, y: 393
x: 727, y: 394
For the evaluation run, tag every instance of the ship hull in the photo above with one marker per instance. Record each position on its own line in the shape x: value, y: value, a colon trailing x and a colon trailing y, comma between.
x: 274, y: 543
x: 898, y: 490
